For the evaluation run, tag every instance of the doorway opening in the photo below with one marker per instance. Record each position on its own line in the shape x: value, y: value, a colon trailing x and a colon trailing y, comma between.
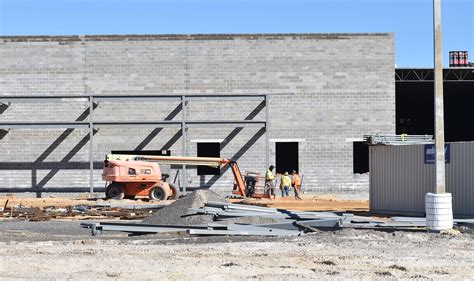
x: 360, y: 157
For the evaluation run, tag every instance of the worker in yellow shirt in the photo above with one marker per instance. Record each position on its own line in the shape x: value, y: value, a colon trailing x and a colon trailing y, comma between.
x: 296, y: 183
x: 285, y: 184
x: 269, y: 184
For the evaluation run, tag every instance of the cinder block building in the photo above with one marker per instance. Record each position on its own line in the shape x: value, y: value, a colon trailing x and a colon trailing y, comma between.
x: 300, y: 101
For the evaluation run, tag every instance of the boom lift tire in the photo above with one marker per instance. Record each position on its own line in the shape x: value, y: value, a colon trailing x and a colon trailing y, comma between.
x: 157, y: 193
x: 175, y: 192
x: 114, y: 191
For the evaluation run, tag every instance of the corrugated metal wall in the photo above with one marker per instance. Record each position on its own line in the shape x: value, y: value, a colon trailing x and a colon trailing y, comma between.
x: 399, y: 178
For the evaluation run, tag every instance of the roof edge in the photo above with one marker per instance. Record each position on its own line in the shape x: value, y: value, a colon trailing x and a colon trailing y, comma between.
x: 150, y: 37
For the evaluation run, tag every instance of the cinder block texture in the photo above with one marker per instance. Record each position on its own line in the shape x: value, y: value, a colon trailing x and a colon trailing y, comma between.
x: 325, y: 89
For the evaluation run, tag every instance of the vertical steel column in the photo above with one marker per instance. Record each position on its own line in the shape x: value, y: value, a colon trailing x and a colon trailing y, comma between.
x: 439, y: 107
x: 91, y: 145
x: 267, y: 147
x: 184, y: 138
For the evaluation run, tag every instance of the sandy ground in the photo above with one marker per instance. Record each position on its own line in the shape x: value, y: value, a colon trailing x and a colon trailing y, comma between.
x: 62, y: 250
x: 313, y: 203
x: 310, y: 202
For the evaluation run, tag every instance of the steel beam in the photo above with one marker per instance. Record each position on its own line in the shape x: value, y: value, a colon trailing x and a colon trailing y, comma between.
x: 184, y: 135
x: 135, y: 98
x: 43, y: 125
x: 267, y: 134
x: 91, y: 146
x: 142, y: 124
x: 41, y: 99
x: 222, y: 122
x: 263, y: 232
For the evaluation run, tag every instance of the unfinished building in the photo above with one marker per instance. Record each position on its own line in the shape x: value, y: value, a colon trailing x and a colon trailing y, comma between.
x: 298, y: 101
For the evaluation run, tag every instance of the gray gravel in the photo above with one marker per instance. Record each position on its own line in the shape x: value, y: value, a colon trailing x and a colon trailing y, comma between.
x: 19, y: 230
x: 177, y: 213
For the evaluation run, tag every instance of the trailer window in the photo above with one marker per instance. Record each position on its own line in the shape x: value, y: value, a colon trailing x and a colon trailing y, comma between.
x: 132, y: 171
x: 208, y: 149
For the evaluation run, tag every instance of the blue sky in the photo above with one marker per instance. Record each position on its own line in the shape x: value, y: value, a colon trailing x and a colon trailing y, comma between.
x: 410, y: 20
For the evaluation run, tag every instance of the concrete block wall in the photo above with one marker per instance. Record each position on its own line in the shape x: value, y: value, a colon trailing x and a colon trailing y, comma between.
x: 327, y: 89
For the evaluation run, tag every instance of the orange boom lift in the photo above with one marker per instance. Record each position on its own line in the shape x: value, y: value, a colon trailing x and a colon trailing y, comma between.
x: 140, y: 175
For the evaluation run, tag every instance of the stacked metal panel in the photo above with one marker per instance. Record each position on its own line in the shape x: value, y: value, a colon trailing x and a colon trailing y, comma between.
x: 290, y: 223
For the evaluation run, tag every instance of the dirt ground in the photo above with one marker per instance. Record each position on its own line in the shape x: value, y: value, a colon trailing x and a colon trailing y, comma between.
x: 62, y: 250
x: 313, y: 203
x: 310, y: 202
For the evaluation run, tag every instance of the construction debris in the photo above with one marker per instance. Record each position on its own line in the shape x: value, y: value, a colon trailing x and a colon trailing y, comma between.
x: 289, y: 223
x: 81, y: 212
x: 402, y: 139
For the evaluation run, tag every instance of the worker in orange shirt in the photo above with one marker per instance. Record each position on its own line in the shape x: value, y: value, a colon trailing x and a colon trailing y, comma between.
x: 296, y: 183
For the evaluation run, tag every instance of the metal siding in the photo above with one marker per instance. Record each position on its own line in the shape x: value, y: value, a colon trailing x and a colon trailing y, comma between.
x: 399, y: 179
x: 460, y: 178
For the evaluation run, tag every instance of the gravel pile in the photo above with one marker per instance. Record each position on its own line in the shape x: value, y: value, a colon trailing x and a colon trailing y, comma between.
x: 177, y: 212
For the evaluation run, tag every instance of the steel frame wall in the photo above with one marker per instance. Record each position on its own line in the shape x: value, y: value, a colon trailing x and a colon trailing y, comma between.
x: 452, y: 74
x: 92, y: 125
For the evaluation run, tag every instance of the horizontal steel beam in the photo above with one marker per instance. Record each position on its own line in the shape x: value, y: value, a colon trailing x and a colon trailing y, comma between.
x: 150, y: 124
x: 36, y: 97
x: 135, y: 98
x: 139, y: 228
x: 221, y: 122
x: 41, y: 99
x: 70, y: 165
x: 252, y: 232
x: 43, y: 125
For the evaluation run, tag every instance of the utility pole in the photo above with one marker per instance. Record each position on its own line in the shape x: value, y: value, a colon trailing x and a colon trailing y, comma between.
x: 438, y: 205
x: 439, y: 107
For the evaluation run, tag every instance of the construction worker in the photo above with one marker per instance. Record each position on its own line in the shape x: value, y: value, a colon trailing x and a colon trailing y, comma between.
x: 269, y: 184
x: 296, y: 183
x: 285, y: 184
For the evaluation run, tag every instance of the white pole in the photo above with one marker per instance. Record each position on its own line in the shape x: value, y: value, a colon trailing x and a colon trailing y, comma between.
x: 439, y: 107
x: 438, y: 205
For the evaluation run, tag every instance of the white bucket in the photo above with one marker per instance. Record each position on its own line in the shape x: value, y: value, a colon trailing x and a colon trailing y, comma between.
x: 439, y: 211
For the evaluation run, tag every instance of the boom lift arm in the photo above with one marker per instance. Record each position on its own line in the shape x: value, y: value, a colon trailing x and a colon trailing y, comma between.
x: 192, y: 161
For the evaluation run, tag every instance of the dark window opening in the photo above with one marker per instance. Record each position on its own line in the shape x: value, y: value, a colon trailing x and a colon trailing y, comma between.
x: 208, y: 149
x: 286, y: 157
x: 360, y: 157
x: 143, y: 152
x: 415, y: 109
x: 132, y: 172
